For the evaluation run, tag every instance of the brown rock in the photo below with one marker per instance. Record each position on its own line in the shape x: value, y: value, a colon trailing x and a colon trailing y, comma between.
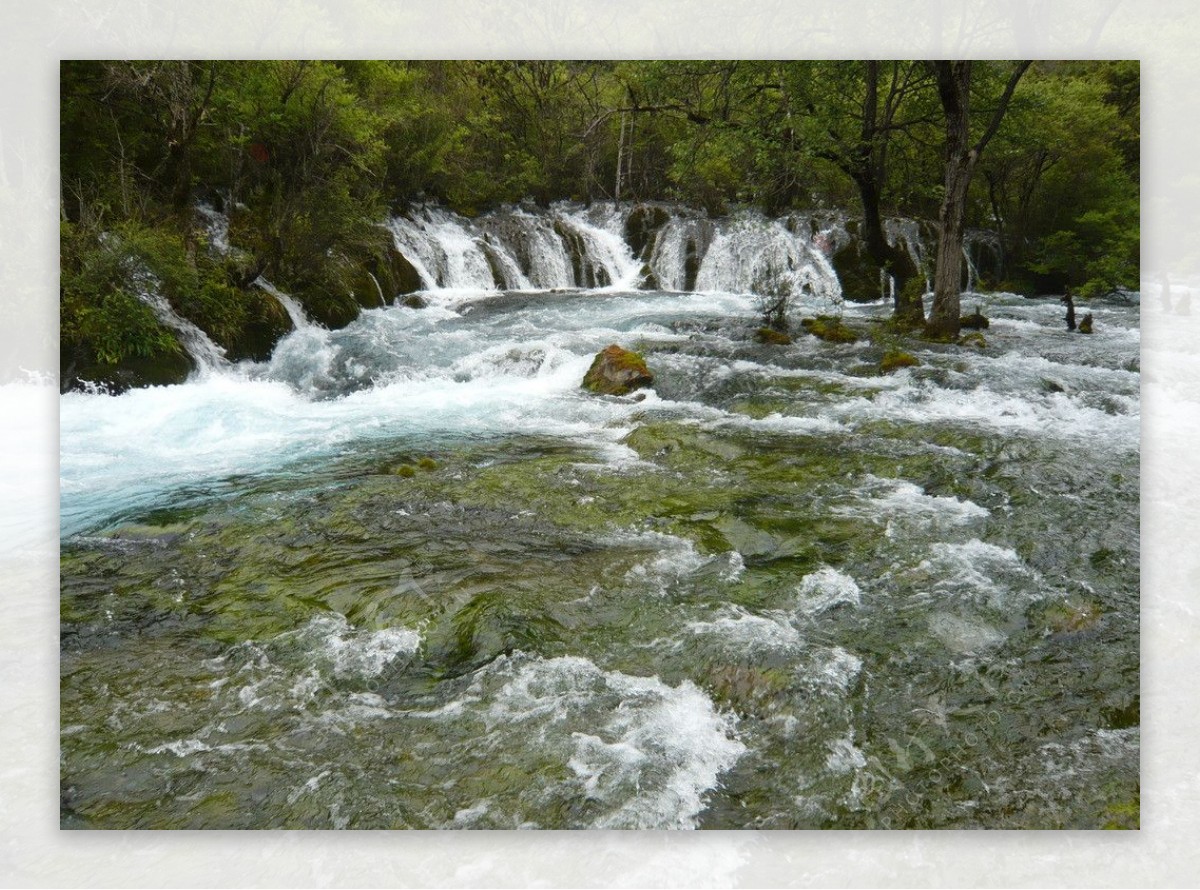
x: 617, y: 372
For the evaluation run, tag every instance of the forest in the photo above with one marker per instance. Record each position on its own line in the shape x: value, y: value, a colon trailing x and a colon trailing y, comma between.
x: 308, y: 157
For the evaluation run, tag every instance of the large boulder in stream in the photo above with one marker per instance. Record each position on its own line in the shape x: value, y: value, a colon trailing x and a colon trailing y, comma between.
x: 617, y: 372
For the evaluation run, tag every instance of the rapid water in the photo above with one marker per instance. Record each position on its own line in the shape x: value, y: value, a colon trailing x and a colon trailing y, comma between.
x: 407, y: 574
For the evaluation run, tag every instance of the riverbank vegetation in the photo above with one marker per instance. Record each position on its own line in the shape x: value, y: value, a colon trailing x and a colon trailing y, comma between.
x: 308, y: 157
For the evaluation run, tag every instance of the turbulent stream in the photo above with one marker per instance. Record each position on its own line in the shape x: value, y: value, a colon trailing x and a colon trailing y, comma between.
x: 407, y: 574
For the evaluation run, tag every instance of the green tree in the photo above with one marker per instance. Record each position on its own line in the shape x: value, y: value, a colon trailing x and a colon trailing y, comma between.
x: 962, y: 153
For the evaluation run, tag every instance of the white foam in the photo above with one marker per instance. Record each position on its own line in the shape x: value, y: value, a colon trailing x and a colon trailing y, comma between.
x: 362, y: 653
x: 677, y: 558
x: 836, y: 669
x: 741, y: 631
x: 844, y: 757
x: 981, y: 572
x: 825, y: 588
x: 643, y: 752
x: 892, y: 498
x: 1044, y: 415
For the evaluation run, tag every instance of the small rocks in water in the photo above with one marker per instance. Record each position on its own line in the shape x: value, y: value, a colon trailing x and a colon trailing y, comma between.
x: 617, y: 372
x: 1085, y: 326
x: 828, y: 328
x: 412, y: 301
x: 772, y: 337
x: 895, y: 359
x: 974, y: 338
x: 976, y: 321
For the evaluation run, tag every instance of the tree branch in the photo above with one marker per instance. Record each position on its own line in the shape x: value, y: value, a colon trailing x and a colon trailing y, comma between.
x: 1001, y: 108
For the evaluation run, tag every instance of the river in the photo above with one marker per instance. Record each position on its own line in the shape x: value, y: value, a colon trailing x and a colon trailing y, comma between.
x: 408, y: 574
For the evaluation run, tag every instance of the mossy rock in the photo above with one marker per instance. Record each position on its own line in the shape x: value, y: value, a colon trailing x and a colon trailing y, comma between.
x: 266, y: 323
x: 858, y: 274
x: 161, y: 370
x: 641, y: 228
x: 406, y: 470
x: 494, y: 623
x: 329, y: 297
x: 617, y: 372
x: 895, y: 359
x: 974, y: 338
x: 1085, y: 326
x: 427, y: 463
x: 976, y: 321
x: 374, y: 251
x: 913, y: 294
x: 829, y: 329
x: 772, y: 337
x: 649, y: 281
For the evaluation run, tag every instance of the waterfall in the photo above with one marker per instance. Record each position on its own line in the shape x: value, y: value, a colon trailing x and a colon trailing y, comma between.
x: 290, y: 304
x: 755, y: 255
x: 678, y: 250
x: 207, y: 355
x: 378, y: 289
x: 974, y: 241
x: 570, y: 245
x: 524, y: 248
x: 907, y: 233
x: 216, y: 227
x: 531, y: 245
x: 601, y: 257
x: 446, y: 250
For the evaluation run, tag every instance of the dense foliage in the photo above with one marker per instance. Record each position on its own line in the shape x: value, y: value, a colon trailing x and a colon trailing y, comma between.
x: 310, y: 156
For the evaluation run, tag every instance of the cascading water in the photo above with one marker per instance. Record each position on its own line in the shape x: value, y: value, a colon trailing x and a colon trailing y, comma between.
x: 755, y: 255
x: 535, y: 248
x: 596, y: 244
x: 205, y: 354
x: 574, y: 247
x: 975, y: 242
x: 289, y: 303
x: 445, y: 249
x: 216, y: 225
x: 907, y: 232
x: 679, y: 249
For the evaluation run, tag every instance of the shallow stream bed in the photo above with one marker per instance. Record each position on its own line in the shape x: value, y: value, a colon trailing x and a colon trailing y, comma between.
x: 409, y: 575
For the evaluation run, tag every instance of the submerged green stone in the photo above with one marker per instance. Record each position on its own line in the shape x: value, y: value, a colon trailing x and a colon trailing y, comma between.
x: 895, y: 359
x: 829, y: 329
